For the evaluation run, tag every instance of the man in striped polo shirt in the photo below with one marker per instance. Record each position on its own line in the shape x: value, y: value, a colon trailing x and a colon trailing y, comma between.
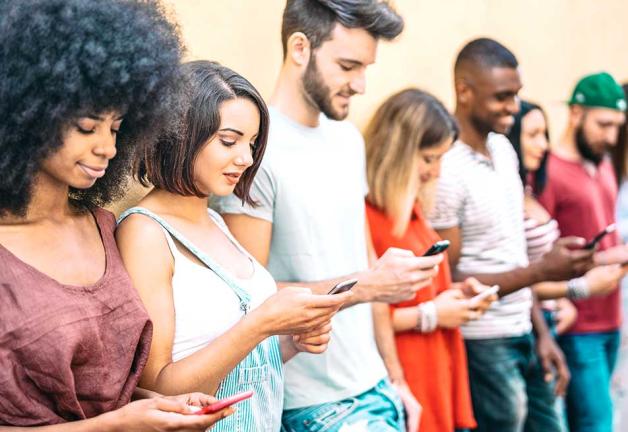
x: 479, y: 209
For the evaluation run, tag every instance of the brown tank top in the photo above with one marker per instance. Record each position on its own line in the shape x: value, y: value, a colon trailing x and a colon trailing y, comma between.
x: 68, y: 352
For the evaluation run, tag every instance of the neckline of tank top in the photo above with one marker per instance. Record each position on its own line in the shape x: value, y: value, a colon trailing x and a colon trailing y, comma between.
x: 90, y: 287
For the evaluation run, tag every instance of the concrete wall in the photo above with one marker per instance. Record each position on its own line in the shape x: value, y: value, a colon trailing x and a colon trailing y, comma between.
x: 556, y: 42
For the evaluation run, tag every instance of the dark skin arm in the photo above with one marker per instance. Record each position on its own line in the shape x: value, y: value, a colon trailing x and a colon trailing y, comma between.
x: 563, y: 262
x: 550, y: 355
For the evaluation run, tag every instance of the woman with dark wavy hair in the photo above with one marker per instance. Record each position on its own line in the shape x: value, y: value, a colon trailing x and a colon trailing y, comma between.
x: 82, y: 85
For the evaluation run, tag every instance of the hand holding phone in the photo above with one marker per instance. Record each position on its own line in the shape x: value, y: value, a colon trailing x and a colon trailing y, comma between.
x: 224, y: 403
x: 436, y: 248
x: 478, y: 298
x: 595, y: 240
x: 343, y: 286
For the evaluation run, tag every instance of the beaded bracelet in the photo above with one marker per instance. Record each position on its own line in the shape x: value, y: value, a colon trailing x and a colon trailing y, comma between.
x: 428, y: 318
x: 578, y: 288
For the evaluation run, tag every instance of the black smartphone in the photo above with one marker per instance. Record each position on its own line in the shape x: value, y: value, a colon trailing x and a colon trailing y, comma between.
x: 595, y: 240
x: 436, y: 248
x: 343, y: 286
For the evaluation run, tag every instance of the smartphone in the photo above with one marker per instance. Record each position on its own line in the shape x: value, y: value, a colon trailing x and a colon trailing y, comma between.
x: 224, y: 403
x: 343, y: 286
x: 484, y: 294
x: 436, y: 248
x: 595, y: 240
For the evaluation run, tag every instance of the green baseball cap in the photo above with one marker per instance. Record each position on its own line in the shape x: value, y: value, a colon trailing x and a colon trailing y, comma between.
x: 599, y: 90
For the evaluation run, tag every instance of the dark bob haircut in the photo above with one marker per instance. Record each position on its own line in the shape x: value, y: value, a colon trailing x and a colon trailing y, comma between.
x: 64, y: 59
x: 169, y: 164
x: 316, y: 19
x: 539, y: 177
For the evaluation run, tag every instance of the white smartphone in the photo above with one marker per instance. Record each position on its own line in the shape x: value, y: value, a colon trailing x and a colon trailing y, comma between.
x: 484, y: 294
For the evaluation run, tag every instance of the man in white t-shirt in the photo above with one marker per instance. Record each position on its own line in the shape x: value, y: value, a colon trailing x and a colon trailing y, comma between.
x: 479, y: 209
x: 310, y: 225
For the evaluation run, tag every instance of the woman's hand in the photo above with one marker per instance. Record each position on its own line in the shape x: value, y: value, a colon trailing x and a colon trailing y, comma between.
x: 315, y: 341
x: 604, y: 279
x: 174, y: 413
x: 472, y: 287
x: 295, y: 310
x: 454, y: 309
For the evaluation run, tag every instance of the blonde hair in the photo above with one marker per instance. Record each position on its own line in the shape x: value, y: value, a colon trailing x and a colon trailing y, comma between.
x: 406, y: 122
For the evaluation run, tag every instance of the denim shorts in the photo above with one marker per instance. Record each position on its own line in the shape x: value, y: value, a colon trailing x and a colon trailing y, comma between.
x: 376, y: 410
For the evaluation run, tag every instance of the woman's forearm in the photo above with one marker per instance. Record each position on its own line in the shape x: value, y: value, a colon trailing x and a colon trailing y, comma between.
x: 550, y: 290
x: 406, y: 319
x: 102, y: 423
x: 288, y: 350
x: 205, y: 369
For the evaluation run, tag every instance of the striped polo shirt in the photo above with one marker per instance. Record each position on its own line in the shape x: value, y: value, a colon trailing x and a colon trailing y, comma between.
x: 484, y: 197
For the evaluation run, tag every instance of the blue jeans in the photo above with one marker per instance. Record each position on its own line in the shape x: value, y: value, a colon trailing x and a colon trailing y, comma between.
x: 376, y: 410
x: 591, y: 359
x: 507, y: 387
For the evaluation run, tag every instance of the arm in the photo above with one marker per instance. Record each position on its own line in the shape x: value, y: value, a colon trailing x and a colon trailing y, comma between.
x: 147, y: 257
x: 600, y: 281
x: 559, y: 264
x: 143, y: 246
x: 101, y: 423
x: 159, y: 414
x: 396, y: 276
x: 385, y: 339
x: 550, y: 356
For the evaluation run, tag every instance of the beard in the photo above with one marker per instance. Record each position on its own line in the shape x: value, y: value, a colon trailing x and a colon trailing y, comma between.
x: 480, y: 125
x: 585, y: 149
x: 318, y: 93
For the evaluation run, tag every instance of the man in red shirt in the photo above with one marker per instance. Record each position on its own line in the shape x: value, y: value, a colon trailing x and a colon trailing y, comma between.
x: 580, y: 194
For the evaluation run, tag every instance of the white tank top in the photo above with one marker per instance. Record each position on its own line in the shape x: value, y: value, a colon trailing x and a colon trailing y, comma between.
x: 205, y: 306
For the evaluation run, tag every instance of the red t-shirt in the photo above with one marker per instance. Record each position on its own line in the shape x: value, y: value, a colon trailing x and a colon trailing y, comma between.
x: 434, y: 364
x: 584, y: 204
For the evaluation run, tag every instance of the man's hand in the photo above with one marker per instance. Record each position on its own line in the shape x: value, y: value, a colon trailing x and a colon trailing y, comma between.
x: 412, y: 406
x: 565, y: 260
x: 552, y: 359
x: 396, y: 276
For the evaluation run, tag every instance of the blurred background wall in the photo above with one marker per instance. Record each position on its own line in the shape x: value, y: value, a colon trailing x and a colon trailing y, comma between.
x: 555, y: 41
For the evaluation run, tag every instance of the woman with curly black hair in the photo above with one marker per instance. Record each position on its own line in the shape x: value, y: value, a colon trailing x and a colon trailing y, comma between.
x: 80, y: 82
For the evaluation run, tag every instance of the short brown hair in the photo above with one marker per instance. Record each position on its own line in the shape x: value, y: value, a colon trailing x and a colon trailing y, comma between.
x: 316, y: 19
x: 169, y: 164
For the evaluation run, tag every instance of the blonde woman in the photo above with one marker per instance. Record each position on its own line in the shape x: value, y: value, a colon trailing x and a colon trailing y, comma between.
x: 405, y: 141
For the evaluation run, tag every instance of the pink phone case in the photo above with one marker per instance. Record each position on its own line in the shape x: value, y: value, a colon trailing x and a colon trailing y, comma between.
x: 224, y: 403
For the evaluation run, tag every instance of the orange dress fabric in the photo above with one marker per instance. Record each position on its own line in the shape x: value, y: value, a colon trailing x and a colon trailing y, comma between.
x: 434, y: 364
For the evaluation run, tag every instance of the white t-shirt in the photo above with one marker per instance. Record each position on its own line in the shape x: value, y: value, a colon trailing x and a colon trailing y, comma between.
x: 484, y: 197
x: 311, y: 186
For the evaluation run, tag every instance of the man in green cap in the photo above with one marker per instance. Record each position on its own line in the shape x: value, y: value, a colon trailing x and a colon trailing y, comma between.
x: 580, y: 194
